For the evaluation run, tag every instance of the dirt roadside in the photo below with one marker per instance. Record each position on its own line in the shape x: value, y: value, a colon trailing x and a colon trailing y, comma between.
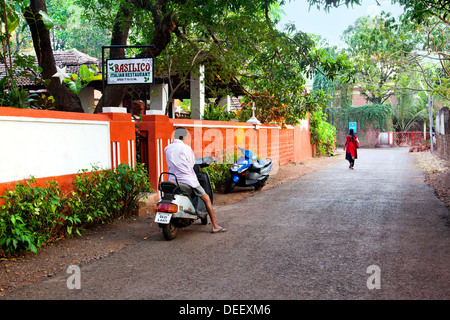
x: 437, y: 174
x: 100, y: 242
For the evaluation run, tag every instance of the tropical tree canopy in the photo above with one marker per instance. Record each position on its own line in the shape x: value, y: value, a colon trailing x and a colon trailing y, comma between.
x: 378, y: 55
x: 236, y: 40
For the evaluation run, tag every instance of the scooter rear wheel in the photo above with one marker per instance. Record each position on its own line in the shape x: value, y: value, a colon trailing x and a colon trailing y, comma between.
x: 170, y: 231
x: 230, y: 186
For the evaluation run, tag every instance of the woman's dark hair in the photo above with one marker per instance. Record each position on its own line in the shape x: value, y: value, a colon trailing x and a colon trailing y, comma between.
x: 351, y: 132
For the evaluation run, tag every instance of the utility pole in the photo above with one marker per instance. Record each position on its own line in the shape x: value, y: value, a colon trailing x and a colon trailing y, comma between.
x: 430, y: 112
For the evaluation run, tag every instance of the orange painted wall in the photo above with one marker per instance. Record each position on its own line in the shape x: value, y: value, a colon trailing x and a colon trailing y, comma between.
x: 302, y: 141
x: 287, y: 144
x: 206, y: 138
x: 214, y: 137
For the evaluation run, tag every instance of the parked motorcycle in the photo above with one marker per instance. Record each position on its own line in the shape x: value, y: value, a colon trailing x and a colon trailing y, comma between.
x: 248, y: 171
x: 178, y: 207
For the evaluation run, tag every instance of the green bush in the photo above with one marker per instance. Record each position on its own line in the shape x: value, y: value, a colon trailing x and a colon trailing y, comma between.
x: 323, y: 134
x: 32, y: 214
x: 215, y: 112
x: 218, y: 174
x: 104, y: 195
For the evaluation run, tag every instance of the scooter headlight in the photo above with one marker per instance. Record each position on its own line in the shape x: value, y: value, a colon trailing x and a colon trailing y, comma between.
x: 236, y: 167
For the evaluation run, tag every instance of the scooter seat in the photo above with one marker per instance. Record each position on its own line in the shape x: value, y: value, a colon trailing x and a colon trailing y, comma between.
x: 169, y: 187
x: 261, y: 163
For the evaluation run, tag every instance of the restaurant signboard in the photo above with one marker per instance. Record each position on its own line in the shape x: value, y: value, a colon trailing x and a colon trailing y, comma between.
x: 130, y: 71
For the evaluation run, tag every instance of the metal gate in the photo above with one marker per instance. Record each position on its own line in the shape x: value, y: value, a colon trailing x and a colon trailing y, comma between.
x: 142, y: 147
x: 411, y: 139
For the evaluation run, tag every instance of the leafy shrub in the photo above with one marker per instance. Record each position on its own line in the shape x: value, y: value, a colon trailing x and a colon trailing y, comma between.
x: 323, y: 134
x: 94, y: 199
x: 218, y: 174
x: 32, y: 215
x: 103, y: 195
x: 215, y: 112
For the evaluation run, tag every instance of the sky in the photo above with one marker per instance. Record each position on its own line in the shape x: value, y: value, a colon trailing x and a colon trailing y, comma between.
x: 332, y: 24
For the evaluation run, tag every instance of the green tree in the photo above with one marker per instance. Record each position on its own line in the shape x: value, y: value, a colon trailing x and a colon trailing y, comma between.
x: 341, y: 87
x: 422, y: 10
x: 235, y: 39
x: 429, y: 19
x: 409, y: 110
x: 72, y: 29
x: 15, y: 65
x: 328, y: 4
x: 379, y: 56
x: 36, y: 16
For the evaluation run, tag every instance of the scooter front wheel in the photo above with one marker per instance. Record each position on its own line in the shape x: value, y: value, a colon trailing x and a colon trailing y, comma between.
x: 170, y: 231
x: 260, y: 184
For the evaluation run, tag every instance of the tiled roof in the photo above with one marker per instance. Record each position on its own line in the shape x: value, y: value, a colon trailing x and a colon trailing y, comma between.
x: 71, y: 59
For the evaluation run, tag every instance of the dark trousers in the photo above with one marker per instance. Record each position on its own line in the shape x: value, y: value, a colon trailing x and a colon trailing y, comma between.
x: 350, y: 159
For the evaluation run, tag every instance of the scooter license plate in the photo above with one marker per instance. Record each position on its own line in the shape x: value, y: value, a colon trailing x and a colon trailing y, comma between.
x: 163, y: 218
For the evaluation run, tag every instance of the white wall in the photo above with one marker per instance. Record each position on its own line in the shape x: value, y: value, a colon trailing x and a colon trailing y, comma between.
x: 51, y: 147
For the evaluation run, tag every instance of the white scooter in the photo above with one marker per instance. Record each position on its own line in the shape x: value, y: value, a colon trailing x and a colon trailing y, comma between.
x: 178, y: 207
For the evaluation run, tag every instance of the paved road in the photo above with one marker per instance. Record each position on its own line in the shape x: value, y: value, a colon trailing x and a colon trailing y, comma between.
x: 312, y: 238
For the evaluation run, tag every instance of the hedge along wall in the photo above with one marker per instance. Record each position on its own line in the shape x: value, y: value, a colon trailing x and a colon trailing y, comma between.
x: 370, y: 119
x: 52, y: 145
x: 212, y: 138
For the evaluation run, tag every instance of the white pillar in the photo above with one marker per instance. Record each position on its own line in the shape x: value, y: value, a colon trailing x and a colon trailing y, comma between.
x: 87, y: 99
x: 225, y: 101
x: 198, y: 93
x: 114, y: 110
x: 159, y: 95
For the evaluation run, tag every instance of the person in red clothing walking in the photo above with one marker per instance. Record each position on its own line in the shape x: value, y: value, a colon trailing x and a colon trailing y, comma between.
x: 350, y: 147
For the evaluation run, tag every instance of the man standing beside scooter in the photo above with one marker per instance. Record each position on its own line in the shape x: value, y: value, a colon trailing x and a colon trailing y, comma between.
x: 180, y: 161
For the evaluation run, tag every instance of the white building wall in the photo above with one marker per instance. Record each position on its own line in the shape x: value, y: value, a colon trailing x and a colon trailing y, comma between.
x: 51, y: 147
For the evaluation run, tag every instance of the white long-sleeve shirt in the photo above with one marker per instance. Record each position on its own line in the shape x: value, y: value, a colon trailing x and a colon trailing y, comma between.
x: 180, y: 161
